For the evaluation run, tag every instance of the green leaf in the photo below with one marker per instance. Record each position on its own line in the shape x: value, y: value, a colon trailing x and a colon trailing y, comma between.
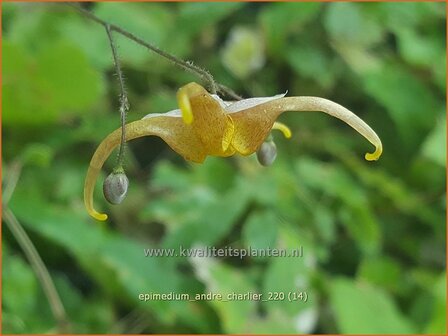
x: 219, y: 214
x: 346, y: 22
x: 195, y: 17
x: 216, y: 173
x: 22, y: 95
x: 113, y: 261
x: 20, y: 289
x: 353, y: 32
x: 168, y: 176
x: 437, y: 324
x: 434, y: 147
x: 293, y: 274
x: 151, y: 22
x: 71, y: 82
x: 260, y: 230
x: 280, y: 20
x: 243, y: 52
x: 54, y: 83
x: 360, y: 308
x: 411, y: 105
x: 88, y: 314
x: 91, y: 38
x: 383, y: 272
x: 412, y: 14
x: 363, y: 227
x: 312, y: 63
x: 38, y: 31
x: 37, y: 154
x: 235, y: 315
x: 419, y: 50
x: 317, y: 176
x: 325, y: 223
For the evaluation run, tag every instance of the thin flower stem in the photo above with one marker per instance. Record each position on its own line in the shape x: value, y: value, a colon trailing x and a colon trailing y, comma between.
x: 228, y: 92
x: 14, y: 174
x: 39, y: 268
x: 189, y: 66
x: 124, y: 102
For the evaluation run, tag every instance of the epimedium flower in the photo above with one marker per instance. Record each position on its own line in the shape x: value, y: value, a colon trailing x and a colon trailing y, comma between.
x: 206, y: 125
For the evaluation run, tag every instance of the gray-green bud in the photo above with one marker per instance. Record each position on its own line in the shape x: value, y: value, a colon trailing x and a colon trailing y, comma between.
x: 267, y: 153
x: 115, y: 187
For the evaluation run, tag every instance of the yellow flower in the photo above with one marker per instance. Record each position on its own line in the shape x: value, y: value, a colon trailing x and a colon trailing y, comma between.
x: 206, y: 125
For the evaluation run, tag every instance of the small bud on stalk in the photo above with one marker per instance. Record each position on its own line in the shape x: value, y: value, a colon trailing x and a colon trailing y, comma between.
x: 267, y: 153
x: 115, y: 187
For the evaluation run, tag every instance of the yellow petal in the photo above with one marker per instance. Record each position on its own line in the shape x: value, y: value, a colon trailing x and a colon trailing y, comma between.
x: 253, y: 125
x: 184, y: 105
x: 282, y: 128
x: 210, y: 122
x: 228, y: 133
x: 173, y: 130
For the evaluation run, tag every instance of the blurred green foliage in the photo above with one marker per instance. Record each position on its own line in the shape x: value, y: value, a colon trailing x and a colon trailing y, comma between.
x: 373, y: 233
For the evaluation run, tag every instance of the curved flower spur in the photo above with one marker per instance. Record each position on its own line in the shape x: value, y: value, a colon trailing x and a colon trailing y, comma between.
x: 206, y: 125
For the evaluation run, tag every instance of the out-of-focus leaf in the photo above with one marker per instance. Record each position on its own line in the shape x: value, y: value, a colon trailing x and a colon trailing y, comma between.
x: 19, y: 290
x: 235, y: 315
x: 411, y: 105
x: 167, y: 175
x: 90, y: 315
x: 35, y: 27
x: 187, y: 195
x: 419, y: 50
x: 193, y: 17
x: 91, y: 38
x: 71, y: 83
x: 325, y: 223
x: 434, y: 147
x: 437, y: 324
x: 152, y: 24
x: 362, y: 308
x: 260, y: 230
x: 392, y: 188
x: 382, y: 272
x: 274, y: 322
x: 22, y: 96
x: 357, y: 216
x: 346, y: 22
x: 318, y: 175
x: 243, y: 52
x: 214, y: 220
x: 292, y: 274
x: 363, y: 228
x: 310, y: 62
x: 216, y: 173
x: 279, y: 20
x: 37, y: 154
x: 57, y: 83
x: 9, y: 14
x: 411, y: 14
x: 118, y: 261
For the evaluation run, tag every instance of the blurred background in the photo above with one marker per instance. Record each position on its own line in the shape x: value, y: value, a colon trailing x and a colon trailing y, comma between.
x: 373, y: 232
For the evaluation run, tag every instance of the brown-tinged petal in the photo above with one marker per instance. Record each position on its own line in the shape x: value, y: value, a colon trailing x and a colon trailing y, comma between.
x: 172, y: 130
x: 208, y: 119
x: 254, y: 124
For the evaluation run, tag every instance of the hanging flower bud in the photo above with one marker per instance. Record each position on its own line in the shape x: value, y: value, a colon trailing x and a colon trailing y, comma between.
x: 115, y: 187
x: 267, y: 153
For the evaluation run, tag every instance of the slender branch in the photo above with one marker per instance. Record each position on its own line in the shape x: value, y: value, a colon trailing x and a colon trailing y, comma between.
x: 14, y: 174
x: 39, y: 268
x: 124, y: 103
x: 229, y: 92
x: 189, y: 66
